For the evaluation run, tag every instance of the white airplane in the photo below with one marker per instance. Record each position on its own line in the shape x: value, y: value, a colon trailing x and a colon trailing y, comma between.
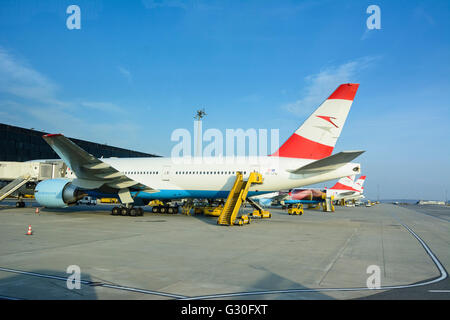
x: 304, y: 159
x: 347, y: 189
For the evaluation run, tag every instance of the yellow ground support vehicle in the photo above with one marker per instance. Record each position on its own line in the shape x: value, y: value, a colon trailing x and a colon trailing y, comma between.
x: 198, y: 210
x: 212, y: 211
x: 109, y: 200
x: 244, y: 219
x: 155, y: 203
x: 296, y: 209
x: 186, y: 208
x: 263, y: 214
x: 235, y: 199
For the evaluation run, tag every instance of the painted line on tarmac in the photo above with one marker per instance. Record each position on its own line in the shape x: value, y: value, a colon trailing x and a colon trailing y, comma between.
x: 443, y: 275
x: 93, y: 283
x: 439, y: 291
x: 9, y: 298
x: 442, y: 271
x: 170, y: 295
x: 432, y: 216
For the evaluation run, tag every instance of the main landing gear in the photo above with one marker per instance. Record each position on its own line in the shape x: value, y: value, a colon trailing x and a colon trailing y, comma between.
x: 130, y: 211
x: 20, y: 204
x: 165, y: 209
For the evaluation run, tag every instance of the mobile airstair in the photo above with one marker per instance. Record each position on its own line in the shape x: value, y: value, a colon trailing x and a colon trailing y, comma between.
x: 236, y: 197
x: 13, y: 186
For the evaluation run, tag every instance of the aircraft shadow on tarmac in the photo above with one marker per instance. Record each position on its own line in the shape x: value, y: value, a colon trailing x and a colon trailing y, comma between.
x: 37, y: 287
x: 274, y: 281
x: 415, y: 293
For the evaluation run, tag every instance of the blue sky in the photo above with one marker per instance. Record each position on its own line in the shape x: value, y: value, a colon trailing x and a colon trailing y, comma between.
x: 137, y: 70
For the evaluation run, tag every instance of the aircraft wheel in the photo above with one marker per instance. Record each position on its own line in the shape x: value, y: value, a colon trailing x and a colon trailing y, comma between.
x: 163, y: 209
x: 155, y: 209
x: 115, y: 211
x: 170, y: 210
x: 133, y: 212
x: 124, y: 211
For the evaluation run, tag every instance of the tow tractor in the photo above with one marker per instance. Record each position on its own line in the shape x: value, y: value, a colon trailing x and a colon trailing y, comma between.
x: 296, y: 209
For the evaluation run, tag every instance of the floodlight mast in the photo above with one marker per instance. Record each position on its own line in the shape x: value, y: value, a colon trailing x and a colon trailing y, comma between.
x: 199, y: 116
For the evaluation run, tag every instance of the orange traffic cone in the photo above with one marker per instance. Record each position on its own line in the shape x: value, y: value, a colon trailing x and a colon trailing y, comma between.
x: 29, y: 233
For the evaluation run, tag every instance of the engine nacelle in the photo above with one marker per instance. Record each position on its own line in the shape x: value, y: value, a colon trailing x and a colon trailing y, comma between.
x: 57, y: 193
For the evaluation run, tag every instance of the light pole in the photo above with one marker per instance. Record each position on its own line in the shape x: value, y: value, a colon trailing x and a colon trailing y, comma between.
x: 198, y: 133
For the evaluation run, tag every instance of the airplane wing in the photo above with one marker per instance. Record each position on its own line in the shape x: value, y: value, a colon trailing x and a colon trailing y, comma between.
x: 327, y: 164
x: 91, y: 172
x: 348, y: 193
x: 280, y: 196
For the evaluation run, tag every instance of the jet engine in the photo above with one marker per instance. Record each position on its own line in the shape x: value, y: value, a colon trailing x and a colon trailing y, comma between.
x: 57, y: 193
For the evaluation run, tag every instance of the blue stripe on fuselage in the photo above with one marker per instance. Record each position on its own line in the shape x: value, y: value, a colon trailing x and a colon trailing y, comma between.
x: 303, y: 201
x: 175, y: 194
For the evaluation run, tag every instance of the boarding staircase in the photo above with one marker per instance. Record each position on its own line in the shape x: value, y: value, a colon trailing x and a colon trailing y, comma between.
x: 237, y: 196
x: 259, y: 212
x: 14, y: 186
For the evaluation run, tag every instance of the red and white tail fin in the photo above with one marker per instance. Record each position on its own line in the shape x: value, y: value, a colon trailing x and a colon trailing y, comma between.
x: 317, y: 136
x: 345, y: 183
x: 359, y: 184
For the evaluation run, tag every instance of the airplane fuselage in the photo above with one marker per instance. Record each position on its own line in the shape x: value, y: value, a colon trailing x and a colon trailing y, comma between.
x: 211, y: 178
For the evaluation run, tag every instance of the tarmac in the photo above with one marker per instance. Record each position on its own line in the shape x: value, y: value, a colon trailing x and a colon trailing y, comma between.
x: 318, y: 255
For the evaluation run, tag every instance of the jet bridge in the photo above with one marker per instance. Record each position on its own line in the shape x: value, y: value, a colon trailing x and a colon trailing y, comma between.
x: 19, y: 178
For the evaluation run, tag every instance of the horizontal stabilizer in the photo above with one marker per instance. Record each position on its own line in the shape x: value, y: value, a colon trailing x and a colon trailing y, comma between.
x: 329, y: 163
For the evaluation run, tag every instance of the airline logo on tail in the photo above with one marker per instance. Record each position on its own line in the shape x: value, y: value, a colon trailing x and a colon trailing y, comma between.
x: 346, y: 183
x: 359, y: 184
x: 328, y: 119
x: 314, y: 139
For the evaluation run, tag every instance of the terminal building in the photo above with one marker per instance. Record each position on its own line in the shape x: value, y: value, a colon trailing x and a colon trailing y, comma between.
x: 20, y: 144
